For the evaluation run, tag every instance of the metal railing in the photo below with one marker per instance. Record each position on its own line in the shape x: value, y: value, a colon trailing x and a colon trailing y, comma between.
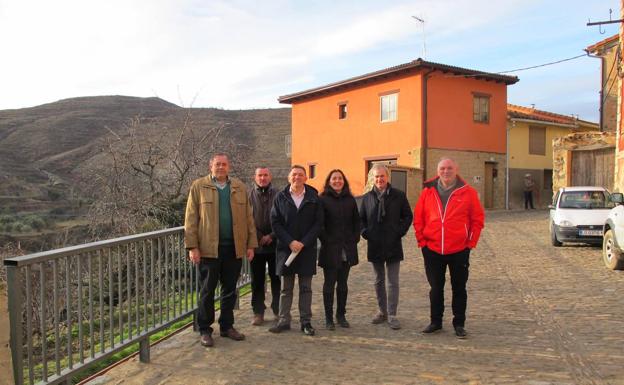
x: 74, y: 307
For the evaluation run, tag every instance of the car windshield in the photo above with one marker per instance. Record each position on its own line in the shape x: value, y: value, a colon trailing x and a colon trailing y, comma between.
x: 585, y: 200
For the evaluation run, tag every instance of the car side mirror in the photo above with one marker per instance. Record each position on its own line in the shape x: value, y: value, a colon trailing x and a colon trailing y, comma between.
x: 552, y: 207
x: 617, y: 198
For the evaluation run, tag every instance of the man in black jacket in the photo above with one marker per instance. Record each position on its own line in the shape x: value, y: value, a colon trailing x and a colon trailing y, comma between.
x: 386, y: 216
x: 296, y: 218
x: 261, y: 197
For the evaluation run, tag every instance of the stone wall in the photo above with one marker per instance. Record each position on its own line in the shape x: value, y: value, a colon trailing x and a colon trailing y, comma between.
x: 472, y: 170
x: 414, y: 182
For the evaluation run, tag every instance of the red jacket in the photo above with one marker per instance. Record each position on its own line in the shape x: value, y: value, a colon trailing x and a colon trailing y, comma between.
x: 453, y: 229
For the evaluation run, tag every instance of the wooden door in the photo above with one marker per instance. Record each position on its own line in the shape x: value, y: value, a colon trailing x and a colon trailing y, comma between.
x: 488, y: 186
x: 398, y: 179
x: 593, y: 167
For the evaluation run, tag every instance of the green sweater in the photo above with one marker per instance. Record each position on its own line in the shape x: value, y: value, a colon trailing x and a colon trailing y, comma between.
x: 226, y: 234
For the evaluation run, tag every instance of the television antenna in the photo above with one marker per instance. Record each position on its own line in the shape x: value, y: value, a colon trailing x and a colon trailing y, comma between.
x: 424, y: 40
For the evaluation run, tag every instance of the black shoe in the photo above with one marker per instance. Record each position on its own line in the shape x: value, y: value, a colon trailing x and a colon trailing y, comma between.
x: 342, y: 321
x: 307, y: 329
x: 432, y: 328
x: 330, y: 325
x: 460, y: 332
x: 279, y: 328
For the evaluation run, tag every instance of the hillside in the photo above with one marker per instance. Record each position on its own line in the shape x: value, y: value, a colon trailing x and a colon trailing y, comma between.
x: 48, y: 151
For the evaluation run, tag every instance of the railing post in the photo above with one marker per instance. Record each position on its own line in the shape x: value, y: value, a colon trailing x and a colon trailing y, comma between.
x: 14, y: 290
x: 144, y: 350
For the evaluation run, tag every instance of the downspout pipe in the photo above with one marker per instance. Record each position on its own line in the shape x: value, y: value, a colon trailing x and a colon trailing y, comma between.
x: 508, y: 128
x: 424, y: 142
x: 603, y: 60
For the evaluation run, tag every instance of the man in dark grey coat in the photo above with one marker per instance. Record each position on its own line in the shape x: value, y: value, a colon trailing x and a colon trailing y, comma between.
x: 386, y: 216
x: 296, y: 218
x: 261, y: 197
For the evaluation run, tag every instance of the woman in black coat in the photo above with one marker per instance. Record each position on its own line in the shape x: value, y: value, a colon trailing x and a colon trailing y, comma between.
x: 339, y: 238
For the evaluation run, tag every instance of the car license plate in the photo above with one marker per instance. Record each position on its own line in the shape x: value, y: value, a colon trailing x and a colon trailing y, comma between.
x: 591, y: 233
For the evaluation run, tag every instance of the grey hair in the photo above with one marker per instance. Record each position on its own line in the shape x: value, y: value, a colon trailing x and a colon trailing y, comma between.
x: 442, y: 159
x: 379, y: 166
x: 260, y: 168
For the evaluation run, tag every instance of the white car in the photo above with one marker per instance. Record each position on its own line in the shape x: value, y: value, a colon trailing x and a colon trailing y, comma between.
x: 578, y: 214
x: 613, y: 241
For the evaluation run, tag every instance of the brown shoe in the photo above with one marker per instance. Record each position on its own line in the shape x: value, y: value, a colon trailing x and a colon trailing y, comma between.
x: 379, y: 318
x: 233, y: 334
x: 206, y: 340
x: 258, y: 320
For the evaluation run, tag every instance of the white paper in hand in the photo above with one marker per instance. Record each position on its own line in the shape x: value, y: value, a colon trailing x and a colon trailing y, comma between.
x: 291, y: 258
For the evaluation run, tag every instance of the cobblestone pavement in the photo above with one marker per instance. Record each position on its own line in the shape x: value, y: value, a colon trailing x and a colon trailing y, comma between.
x: 536, y: 315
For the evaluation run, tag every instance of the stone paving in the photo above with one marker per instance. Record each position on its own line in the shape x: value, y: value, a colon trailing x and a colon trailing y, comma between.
x: 536, y: 315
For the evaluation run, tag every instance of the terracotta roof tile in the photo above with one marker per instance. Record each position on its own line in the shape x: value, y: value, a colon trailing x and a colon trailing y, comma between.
x: 520, y: 112
x: 414, y: 65
x: 594, y: 47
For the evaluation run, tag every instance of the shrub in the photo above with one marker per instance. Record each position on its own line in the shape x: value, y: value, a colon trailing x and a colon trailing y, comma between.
x: 4, y: 219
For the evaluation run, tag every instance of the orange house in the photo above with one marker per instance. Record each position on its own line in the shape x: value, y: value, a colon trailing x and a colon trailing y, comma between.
x: 407, y: 116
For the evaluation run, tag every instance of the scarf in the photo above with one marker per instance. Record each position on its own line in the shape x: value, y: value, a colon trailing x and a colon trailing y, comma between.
x: 381, y: 195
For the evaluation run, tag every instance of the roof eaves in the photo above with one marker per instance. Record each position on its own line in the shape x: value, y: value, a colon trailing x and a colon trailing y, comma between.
x: 393, y: 71
x: 594, y: 47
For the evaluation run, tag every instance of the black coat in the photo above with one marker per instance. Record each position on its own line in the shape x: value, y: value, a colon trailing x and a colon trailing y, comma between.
x: 303, y: 225
x: 341, y: 230
x: 384, y: 238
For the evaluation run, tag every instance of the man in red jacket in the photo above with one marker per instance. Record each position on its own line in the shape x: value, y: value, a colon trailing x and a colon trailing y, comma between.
x: 448, y: 219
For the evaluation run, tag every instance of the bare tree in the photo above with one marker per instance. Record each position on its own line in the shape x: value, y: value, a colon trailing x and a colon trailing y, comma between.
x: 8, y: 250
x: 145, y: 170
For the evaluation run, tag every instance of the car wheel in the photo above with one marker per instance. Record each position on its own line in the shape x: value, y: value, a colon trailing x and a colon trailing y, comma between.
x: 611, y: 256
x: 553, y: 236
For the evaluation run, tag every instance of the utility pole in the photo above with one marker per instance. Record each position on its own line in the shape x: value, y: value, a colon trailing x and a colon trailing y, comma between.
x: 424, y: 49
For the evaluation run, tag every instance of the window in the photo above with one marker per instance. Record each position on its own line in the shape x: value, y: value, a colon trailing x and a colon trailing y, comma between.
x: 537, y: 140
x: 311, y: 171
x: 481, y: 108
x: 389, y: 105
x: 342, y: 111
x: 585, y: 200
x: 287, y: 144
x: 386, y: 162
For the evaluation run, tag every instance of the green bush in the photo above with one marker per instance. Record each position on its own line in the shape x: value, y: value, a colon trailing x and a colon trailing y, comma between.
x: 4, y: 219
x: 18, y: 227
x: 35, y: 221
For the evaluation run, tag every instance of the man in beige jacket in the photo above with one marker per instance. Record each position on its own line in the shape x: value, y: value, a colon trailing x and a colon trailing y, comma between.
x: 219, y: 231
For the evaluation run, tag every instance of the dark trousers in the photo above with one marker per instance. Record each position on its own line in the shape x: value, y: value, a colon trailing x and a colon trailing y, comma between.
x: 336, y: 278
x: 528, y: 200
x: 435, y: 268
x: 225, y: 270
x: 258, y: 279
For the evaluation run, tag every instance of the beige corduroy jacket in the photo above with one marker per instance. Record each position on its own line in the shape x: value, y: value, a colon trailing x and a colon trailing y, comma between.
x: 201, y: 222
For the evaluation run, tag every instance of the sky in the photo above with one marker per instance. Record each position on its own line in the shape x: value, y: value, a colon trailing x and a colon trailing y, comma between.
x: 239, y: 54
